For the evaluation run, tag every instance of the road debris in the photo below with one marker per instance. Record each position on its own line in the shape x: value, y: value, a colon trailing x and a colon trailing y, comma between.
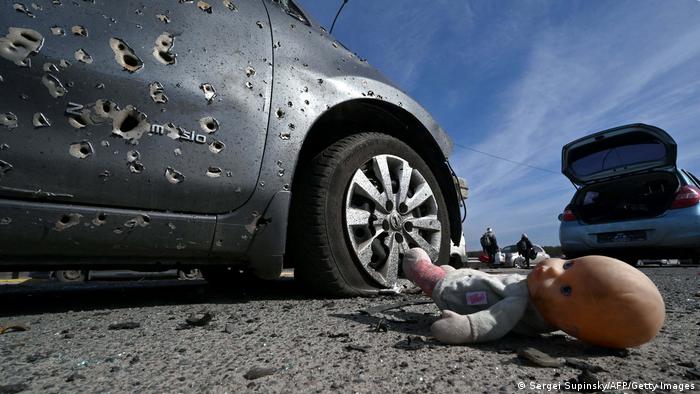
x: 358, y: 348
x: 386, y: 307
x: 381, y: 326
x: 129, y: 325
x: 412, y: 342
x: 587, y: 382
x: 259, y: 372
x: 199, y: 319
x: 13, y: 327
x: 539, y: 358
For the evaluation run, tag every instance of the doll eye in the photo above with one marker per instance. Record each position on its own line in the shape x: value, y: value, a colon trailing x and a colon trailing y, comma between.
x: 568, y: 265
x: 566, y: 290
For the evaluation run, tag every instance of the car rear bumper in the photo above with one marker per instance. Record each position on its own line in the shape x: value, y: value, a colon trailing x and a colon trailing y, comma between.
x: 677, y: 231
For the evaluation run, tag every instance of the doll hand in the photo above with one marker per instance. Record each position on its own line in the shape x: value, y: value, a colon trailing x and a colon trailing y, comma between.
x: 452, y: 328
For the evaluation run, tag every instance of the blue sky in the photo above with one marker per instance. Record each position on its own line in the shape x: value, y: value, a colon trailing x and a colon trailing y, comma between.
x: 519, y: 79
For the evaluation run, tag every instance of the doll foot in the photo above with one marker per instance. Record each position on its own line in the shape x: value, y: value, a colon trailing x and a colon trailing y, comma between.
x: 420, y: 270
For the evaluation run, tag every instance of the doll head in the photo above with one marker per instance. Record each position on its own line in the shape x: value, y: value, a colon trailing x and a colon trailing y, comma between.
x: 597, y: 299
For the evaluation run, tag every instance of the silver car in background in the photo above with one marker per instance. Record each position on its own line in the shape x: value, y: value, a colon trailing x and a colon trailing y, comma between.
x: 512, y: 258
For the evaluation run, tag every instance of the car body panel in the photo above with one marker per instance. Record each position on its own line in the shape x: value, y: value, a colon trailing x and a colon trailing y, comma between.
x: 125, y: 169
x: 617, y: 152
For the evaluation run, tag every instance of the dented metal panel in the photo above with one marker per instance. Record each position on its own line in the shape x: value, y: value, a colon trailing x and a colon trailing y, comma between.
x: 186, y: 84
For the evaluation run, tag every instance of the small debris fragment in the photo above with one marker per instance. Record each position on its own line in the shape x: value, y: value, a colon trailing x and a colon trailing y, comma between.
x: 259, y: 372
x: 177, y: 151
x: 411, y: 343
x: 357, y: 348
x: 199, y: 319
x: 381, y: 326
x: 128, y: 325
x: 586, y: 380
x: 229, y: 328
x: 539, y: 358
x: 13, y: 327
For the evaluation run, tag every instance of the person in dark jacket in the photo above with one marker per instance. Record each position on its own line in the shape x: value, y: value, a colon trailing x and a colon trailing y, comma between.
x: 490, y: 244
x: 525, y: 249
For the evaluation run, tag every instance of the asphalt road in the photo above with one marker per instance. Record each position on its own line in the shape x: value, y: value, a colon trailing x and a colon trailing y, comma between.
x: 271, y: 337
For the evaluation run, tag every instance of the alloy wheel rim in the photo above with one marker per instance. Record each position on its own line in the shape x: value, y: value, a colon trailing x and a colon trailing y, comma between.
x: 389, y: 208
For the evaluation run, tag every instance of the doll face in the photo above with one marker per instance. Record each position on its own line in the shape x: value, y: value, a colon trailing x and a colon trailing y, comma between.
x: 554, y: 280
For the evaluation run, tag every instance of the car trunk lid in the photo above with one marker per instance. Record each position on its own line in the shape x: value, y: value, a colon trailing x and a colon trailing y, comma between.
x: 623, y: 150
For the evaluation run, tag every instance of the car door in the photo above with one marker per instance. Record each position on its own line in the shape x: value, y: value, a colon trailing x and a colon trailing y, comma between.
x: 156, y: 105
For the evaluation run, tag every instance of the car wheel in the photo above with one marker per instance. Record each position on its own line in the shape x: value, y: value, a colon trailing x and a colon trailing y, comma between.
x: 361, y: 203
x: 189, y: 274
x: 70, y: 276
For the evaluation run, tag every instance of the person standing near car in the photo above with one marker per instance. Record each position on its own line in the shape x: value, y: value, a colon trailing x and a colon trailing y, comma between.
x: 489, y: 244
x: 525, y: 249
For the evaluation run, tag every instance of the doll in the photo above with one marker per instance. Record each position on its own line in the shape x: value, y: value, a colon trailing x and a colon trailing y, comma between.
x: 597, y: 299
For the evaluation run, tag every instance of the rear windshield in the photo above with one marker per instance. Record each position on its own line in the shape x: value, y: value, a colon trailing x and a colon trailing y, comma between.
x: 617, y: 153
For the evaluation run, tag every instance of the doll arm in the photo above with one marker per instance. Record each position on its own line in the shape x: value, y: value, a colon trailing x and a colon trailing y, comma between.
x: 482, y: 326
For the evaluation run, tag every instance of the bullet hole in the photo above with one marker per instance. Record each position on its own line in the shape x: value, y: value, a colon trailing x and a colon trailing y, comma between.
x: 104, y: 143
x: 21, y: 8
x: 285, y: 187
x: 39, y: 121
x: 229, y: 4
x: 208, y: 124
x: 162, y: 50
x: 305, y: 89
x: 57, y: 31
x: 81, y: 150
x: 100, y: 219
x: 132, y: 155
x: 291, y: 126
x: 124, y: 55
x: 209, y: 91
x: 19, y: 44
x: 79, y: 31
x: 5, y: 221
x: 335, y: 45
x: 216, y: 146
x: 370, y: 93
x: 104, y: 175
x: 54, y: 86
x: 50, y: 68
x: 289, y: 104
x: 249, y: 85
x: 280, y: 172
x: 260, y: 24
x: 118, y: 230
x: 136, y: 167
x: 204, y: 6
x: 214, y: 172
x: 5, y: 167
x: 320, y: 81
x: 79, y: 121
x: 67, y: 221
x: 285, y: 135
x: 130, y: 123
x: 140, y: 220
x: 82, y: 56
x: 306, y: 102
x: 100, y: 85
x: 177, y: 151
x: 171, y: 226
x: 8, y: 120
x: 163, y: 18
x: 155, y: 89
x: 173, y: 176
x: 279, y: 113
x: 24, y: 96
x: 249, y: 71
x: 63, y: 63
x: 4, y: 147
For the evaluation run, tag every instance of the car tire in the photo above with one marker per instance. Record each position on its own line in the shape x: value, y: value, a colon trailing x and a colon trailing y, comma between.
x: 70, y: 276
x: 330, y: 243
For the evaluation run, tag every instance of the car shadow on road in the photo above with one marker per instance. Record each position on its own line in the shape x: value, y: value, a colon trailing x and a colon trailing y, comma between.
x: 52, y: 297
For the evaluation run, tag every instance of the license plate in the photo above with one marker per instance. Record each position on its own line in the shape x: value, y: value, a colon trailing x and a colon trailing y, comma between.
x: 622, y: 236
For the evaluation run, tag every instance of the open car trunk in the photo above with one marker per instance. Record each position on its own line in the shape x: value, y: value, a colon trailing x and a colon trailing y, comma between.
x: 630, y: 197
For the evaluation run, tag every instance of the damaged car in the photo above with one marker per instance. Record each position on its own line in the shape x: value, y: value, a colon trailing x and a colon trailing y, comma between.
x: 632, y: 201
x: 221, y: 136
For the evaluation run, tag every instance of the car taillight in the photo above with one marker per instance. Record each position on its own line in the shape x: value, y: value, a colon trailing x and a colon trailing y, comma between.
x: 686, y: 197
x: 568, y: 215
